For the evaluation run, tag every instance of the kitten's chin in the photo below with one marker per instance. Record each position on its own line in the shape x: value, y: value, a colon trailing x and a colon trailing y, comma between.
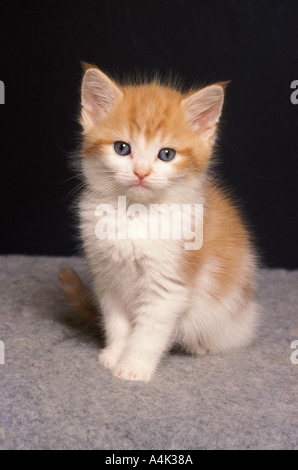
x: 140, y: 191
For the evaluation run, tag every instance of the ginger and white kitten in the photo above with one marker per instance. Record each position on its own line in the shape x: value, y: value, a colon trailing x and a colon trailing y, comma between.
x: 153, y: 144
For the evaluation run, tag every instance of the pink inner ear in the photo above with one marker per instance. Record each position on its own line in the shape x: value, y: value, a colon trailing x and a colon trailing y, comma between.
x: 99, y: 94
x: 207, y: 119
x: 95, y: 102
x: 204, y: 108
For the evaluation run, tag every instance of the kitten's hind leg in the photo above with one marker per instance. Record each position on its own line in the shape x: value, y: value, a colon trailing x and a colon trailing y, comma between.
x: 202, y: 350
x: 197, y: 349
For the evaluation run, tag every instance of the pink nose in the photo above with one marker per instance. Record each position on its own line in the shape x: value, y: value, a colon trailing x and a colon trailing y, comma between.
x: 141, y: 174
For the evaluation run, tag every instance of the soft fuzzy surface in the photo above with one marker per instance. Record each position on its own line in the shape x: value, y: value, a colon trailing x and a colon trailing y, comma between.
x: 54, y: 395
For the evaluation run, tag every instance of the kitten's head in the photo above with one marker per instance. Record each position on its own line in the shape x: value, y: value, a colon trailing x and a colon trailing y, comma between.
x: 143, y: 140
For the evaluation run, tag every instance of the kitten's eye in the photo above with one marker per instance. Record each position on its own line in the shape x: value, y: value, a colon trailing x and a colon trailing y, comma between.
x: 166, y: 154
x: 122, y: 148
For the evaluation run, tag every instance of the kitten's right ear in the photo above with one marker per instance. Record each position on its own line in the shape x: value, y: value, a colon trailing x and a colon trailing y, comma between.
x: 98, y: 95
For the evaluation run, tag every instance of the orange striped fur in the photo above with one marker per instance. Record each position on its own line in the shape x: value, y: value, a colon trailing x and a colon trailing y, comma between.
x: 155, y: 293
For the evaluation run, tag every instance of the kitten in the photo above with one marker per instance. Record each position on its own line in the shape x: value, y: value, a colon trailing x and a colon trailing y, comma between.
x: 153, y: 144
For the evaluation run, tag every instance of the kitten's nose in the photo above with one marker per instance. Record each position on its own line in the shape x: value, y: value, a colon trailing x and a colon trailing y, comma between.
x: 141, y: 173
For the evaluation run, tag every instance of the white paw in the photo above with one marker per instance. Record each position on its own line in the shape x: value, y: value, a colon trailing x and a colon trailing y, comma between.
x: 133, y: 371
x: 108, y: 358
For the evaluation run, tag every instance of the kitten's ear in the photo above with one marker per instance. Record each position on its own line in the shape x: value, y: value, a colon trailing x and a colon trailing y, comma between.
x: 204, y: 109
x: 98, y: 95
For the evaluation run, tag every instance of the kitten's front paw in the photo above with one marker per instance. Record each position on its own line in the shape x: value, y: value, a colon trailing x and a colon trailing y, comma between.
x: 133, y: 371
x: 108, y: 358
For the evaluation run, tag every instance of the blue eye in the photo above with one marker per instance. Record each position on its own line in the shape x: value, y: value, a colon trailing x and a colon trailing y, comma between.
x: 166, y: 154
x: 122, y: 148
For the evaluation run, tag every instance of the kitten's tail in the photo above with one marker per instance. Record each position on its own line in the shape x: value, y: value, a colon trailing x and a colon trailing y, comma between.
x: 78, y: 295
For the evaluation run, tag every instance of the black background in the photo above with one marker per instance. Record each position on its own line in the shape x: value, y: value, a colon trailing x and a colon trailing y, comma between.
x: 252, y: 43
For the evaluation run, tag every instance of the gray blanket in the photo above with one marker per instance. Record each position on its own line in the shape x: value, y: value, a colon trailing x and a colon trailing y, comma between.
x: 54, y: 395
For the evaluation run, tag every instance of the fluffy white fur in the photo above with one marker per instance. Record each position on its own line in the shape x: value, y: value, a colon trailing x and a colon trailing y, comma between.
x: 146, y: 303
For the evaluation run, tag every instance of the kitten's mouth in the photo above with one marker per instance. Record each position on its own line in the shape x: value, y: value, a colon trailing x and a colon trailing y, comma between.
x: 140, y: 186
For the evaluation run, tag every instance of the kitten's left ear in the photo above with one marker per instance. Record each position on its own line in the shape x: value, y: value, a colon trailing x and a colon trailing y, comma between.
x: 204, y: 109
